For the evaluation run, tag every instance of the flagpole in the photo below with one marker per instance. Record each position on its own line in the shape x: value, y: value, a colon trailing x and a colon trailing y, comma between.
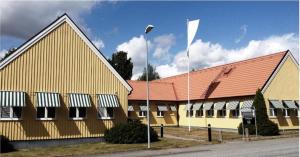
x: 189, y: 81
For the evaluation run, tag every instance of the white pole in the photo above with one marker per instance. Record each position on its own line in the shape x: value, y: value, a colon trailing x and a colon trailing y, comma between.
x: 255, y: 122
x: 148, y: 117
x: 189, y: 81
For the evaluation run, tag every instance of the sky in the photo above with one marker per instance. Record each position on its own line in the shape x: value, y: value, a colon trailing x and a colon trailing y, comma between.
x: 228, y: 31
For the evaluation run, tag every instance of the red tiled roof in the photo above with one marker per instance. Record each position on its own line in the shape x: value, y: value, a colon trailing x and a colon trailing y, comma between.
x: 241, y: 78
x: 158, y: 91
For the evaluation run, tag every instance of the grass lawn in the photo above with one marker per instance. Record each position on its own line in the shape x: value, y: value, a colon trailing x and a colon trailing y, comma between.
x: 99, y: 148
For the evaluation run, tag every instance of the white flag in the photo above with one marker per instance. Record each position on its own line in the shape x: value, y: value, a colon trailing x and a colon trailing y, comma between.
x: 192, y: 29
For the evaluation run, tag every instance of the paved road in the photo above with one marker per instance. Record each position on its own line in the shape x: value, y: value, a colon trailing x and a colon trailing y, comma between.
x: 284, y: 147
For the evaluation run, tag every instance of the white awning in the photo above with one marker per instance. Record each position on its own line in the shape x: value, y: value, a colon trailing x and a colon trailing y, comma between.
x: 79, y: 100
x: 130, y: 108
x: 232, y: 105
x: 143, y: 107
x: 188, y: 106
x: 277, y: 104
x: 247, y: 104
x: 108, y: 100
x: 197, y: 106
x: 219, y: 105
x: 12, y: 99
x: 47, y: 99
x: 173, y: 108
x: 207, y: 105
x: 290, y: 104
x: 162, y: 108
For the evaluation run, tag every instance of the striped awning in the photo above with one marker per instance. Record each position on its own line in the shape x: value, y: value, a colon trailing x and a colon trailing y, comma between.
x: 290, y: 104
x: 47, y: 99
x: 143, y: 107
x: 297, y: 103
x: 130, y: 108
x: 188, y: 106
x: 162, y: 108
x: 277, y: 104
x: 173, y: 108
x: 232, y: 105
x: 197, y: 106
x: 12, y: 99
x: 79, y: 100
x: 247, y: 104
x: 207, y: 105
x: 219, y: 105
x: 108, y: 100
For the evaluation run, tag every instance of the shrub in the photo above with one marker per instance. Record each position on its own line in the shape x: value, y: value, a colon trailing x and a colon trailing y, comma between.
x: 265, y: 127
x: 5, y: 145
x: 132, y: 132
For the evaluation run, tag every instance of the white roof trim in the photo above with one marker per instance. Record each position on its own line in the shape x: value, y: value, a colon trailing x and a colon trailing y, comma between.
x: 49, y: 29
x: 289, y: 54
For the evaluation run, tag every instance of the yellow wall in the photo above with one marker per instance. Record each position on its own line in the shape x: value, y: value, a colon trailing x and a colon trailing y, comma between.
x: 284, y: 86
x: 60, y: 62
x: 169, y: 119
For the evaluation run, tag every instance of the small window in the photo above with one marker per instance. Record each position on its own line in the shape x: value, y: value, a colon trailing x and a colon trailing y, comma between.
x: 191, y: 113
x: 210, y: 113
x: 199, y: 113
x: 45, y: 112
x: 5, y: 112
x: 10, y: 112
x: 142, y: 113
x: 160, y: 113
x: 287, y: 112
x: 235, y: 113
x: 17, y: 112
x: 222, y: 113
x: 106, y: 112
x: 77, y: 112
x: 273, y: 112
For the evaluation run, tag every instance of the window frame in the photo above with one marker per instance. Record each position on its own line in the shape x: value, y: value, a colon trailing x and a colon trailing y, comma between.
x: 220, y: 113
x: 235, y: 113
x: 210, y: 111
x: 144, y: 114
x: 287, y: 112
x: 199, y: 111
x: 273, y: 112
x: 191, y: 113
x: 46, y: 114
x: 11, y: 114
x: 77, y: 114
x: 105, y: 113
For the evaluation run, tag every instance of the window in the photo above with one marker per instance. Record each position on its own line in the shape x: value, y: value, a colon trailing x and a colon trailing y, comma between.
x: 45, y: 112
x: 286, y: 112
x: 10, y: 113
x: 106, y: 112
x: 273, y: 111
x: 199, y: 113
x: 142, y: 113
x: 222, y: 113
x: 210, y: 113
x: 236, y: 112
x: 191, y: 113
x: 77, y: 112
x: 160, y: 113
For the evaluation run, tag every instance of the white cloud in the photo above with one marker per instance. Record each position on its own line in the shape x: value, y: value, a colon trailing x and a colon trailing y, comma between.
x: 207, y: 54
x: 98, y: 43
x: 244, y: 29
x: 136, y: 49
x: 163, y: 45
x: 32, y: 16
x: 2, y: 53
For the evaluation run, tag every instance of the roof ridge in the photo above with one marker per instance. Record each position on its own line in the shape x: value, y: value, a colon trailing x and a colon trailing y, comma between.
x: 220, y: 66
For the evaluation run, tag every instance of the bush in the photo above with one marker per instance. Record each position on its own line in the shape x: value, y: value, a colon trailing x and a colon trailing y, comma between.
x: 132, y: 132
x: 265, y: 127
x: 5, y: 145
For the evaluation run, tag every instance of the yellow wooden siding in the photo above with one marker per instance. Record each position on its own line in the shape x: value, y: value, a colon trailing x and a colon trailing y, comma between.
x: 169, y: 119
x: 60, y: 62
x: 284, y: 86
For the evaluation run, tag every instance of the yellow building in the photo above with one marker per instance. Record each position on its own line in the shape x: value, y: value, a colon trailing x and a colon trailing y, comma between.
x: 220, y: 94
x: 58, y: 85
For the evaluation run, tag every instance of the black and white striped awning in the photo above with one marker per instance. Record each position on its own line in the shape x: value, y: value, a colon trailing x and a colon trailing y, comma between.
x: 232, y: 105
x: 47, y: 99
x: 277, y: 104
x: 207, y: 105
x: 219, y: 105
x: 130, y: 108
x: 108, y: 100
x: 290, y: 104
x: 143, y: 107
x: 247, y: 106
x: 162, y: 108
x: 188, y: 106
x: 12, y: 99
x: 173, y: 108
x: 197, y: 106
x: 79, y: 100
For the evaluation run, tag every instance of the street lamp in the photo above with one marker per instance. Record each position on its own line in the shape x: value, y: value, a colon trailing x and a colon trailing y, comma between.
x: 147, y: 30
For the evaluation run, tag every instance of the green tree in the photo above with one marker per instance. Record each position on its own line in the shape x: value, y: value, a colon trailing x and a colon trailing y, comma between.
x: 265, y: 126
x: 152, y: 74
x: 122, y: 64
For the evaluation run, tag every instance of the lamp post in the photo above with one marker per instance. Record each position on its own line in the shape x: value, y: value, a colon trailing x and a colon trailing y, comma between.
x: 147, y: 30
